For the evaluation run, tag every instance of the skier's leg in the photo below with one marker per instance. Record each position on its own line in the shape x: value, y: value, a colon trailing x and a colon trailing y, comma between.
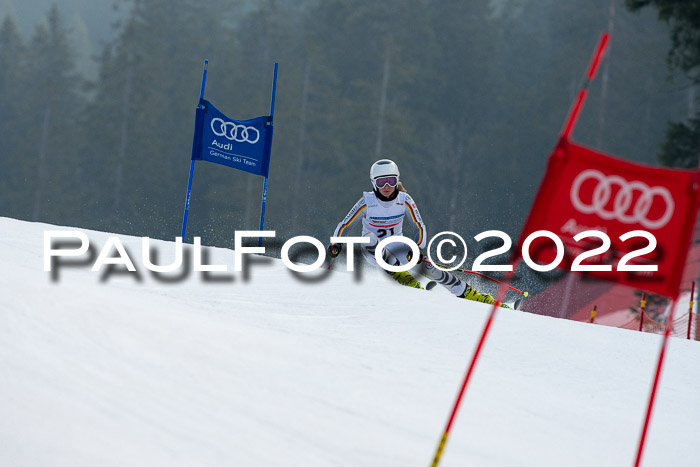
x: 454, y: 284
x: 394, y: 254
x: 369, y: 249
x: 444, y: 278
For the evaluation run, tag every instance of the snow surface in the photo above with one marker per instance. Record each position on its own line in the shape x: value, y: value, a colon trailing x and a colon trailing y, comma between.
x: 275, y: 371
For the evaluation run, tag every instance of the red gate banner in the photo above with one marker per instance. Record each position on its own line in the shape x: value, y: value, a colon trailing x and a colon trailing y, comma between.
x: 586, y: 190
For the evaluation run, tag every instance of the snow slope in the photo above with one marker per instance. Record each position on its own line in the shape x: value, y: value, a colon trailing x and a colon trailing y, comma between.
x: 275, y: 371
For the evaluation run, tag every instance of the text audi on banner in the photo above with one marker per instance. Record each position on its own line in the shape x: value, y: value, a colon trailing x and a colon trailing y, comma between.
x: 240, y: 144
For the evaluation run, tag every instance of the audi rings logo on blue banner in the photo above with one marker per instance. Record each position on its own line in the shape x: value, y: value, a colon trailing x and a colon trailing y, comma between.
x: 240, y: 144
x: 234, y: 132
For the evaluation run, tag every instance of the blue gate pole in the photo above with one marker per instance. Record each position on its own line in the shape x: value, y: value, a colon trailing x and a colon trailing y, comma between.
x: 189, y: 184
x: 272, y: 113
x: 262, y: 209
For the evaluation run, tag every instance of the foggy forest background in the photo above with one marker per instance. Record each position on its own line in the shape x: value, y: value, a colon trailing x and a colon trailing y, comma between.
x: 97, y: 106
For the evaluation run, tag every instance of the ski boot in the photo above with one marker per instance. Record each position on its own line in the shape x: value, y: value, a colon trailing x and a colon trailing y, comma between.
x: 405, y: 278
x: 471, y: 293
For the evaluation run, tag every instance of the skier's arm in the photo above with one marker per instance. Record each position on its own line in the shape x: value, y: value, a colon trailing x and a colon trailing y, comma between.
x: 413, y: 214
x: 356, y: 213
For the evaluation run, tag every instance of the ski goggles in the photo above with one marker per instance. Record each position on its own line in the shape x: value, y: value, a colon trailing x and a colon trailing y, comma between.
x: 381, y: 182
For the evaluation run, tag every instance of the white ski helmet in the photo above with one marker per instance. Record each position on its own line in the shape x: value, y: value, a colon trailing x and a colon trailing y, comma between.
x: 383, y: 168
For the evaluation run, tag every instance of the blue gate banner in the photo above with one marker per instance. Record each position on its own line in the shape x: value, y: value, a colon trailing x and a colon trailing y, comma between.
x: 241, y: 144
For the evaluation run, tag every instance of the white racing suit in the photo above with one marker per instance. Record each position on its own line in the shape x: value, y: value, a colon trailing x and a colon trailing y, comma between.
x: 385, y: 218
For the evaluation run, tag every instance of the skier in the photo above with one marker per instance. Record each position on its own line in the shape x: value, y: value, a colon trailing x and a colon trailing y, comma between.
x: 382, y: 212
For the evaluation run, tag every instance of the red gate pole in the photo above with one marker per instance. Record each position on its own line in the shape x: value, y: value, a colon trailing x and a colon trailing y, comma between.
x: 499, y: 299
x: 690, y: 308
x: 652, y: 396
x: 642, y: 305
x: 592, y: 69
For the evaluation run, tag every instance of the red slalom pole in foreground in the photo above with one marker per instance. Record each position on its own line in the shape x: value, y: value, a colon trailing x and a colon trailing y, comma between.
x: 657, y: 377
x: 583, y: 92
x: 470, y: 370
x: 566, y: 132
x: 690, y: 309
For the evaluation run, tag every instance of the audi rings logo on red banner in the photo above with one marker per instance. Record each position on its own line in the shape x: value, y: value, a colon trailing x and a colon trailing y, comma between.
x: 623, y: 200
x: 234, y: 132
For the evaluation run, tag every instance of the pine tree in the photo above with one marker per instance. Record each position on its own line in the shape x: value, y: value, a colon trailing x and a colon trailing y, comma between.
x: 14, y: 170
x: 682, y: 146
x: 371, y: 67
x: 51, y: 111
x: 141, y: 91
